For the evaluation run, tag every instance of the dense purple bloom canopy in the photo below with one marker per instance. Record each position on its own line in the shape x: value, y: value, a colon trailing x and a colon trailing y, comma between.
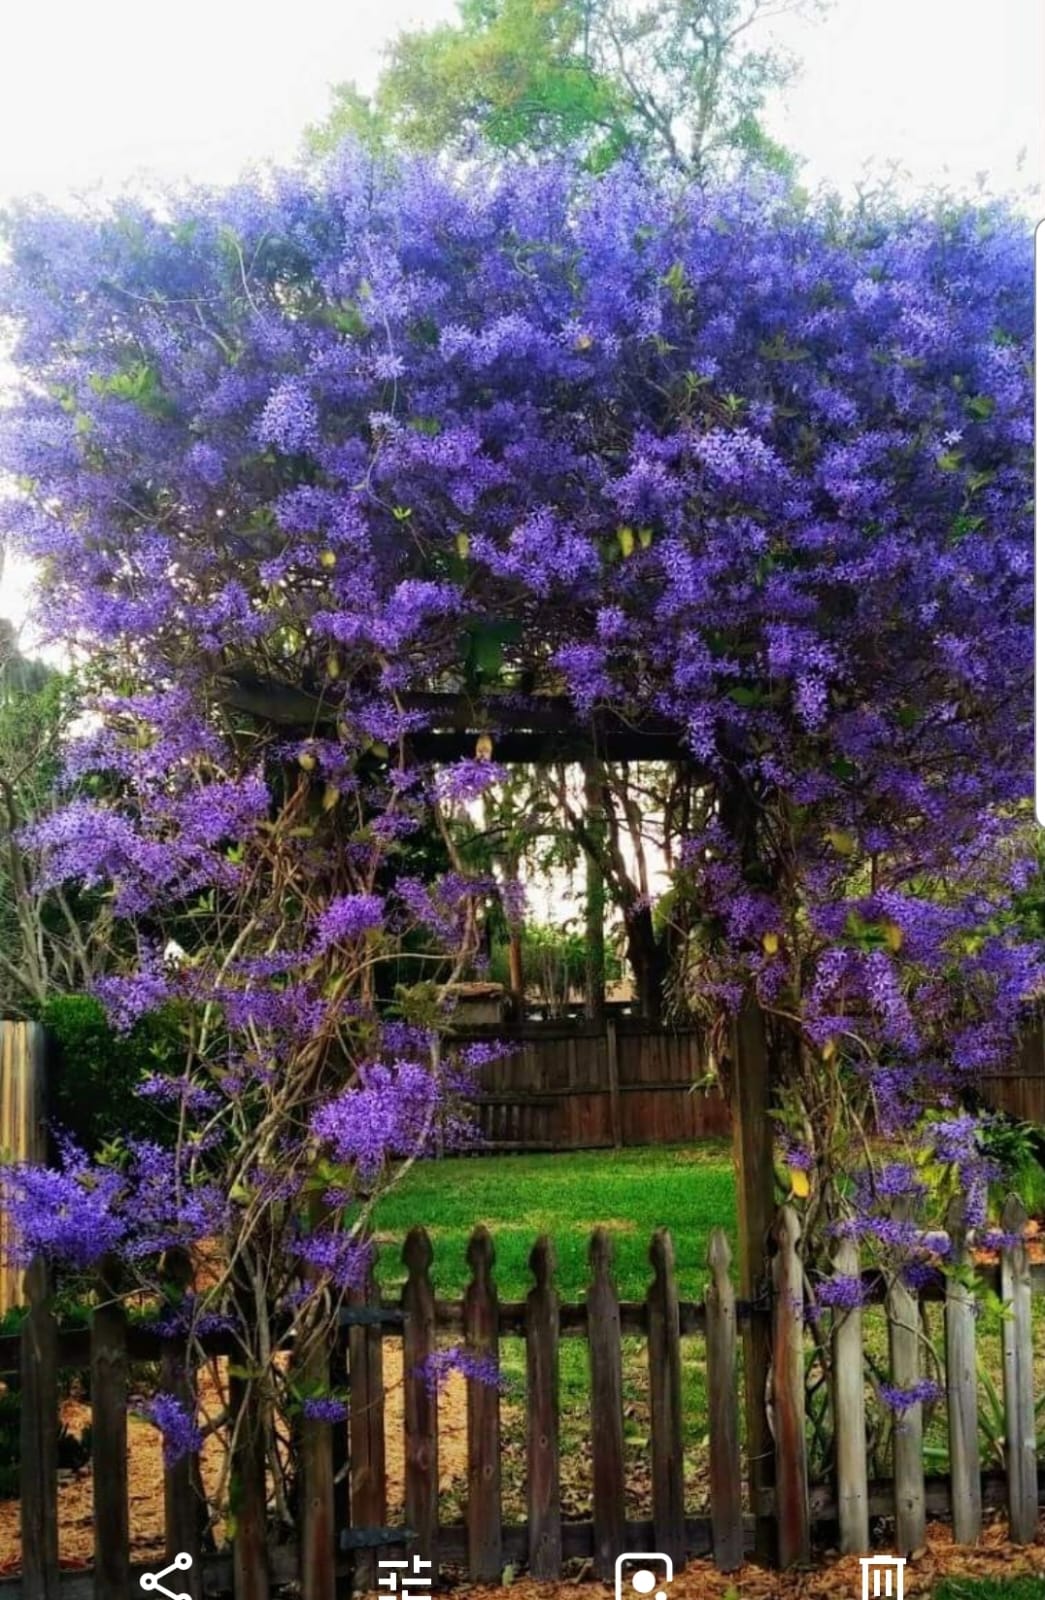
x: 751, y: 463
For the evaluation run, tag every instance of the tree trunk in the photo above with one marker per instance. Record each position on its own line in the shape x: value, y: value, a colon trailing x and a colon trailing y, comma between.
x: 594, y: 899
x: 649, y: 962
x: 750, y: 1087
x: 516, y: 976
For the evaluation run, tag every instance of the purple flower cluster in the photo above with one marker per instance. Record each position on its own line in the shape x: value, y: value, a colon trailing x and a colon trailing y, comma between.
x: 476, y: 1366
x: 324, y: 1408
x: 177, y: 1424
x: 348, y: 917
x: 924, y: 1392
x: 841, y: 1293
x: 390, y: 1113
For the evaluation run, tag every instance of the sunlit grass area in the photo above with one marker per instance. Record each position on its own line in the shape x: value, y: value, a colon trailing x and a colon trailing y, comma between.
x: 688, y: 1189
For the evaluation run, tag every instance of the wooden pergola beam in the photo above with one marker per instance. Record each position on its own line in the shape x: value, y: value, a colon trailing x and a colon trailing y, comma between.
x: 536, y: 729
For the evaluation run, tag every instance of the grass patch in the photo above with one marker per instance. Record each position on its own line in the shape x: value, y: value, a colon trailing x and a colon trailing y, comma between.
x: 1027, y: 1588
x: 687, y: 1188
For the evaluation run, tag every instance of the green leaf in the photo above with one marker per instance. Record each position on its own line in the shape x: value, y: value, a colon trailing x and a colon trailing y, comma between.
x: 980, y: 406
x: 485, y: 644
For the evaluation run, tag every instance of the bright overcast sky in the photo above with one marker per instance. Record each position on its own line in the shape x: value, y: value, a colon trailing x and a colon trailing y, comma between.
x: 199, y: 89
x: 96, y: 94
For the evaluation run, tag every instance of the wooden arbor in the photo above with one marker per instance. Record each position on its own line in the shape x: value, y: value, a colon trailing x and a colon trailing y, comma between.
x: 542, y: 730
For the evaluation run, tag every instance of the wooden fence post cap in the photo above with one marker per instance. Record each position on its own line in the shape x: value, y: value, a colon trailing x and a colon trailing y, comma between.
x: 418, y: 1254
x: 542, y: 1260
x: 480, y: 1253
x: 719, y: 1254
x: 662, y: 1252
x: 1014, y: 1215
x: 600, y: 1250
x: 956, y: 1222
x: 786, y: 1230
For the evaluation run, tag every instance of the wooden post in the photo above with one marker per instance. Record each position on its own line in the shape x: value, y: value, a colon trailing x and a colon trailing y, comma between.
x: 485, y: 1558
x: 248, y: 1499
x: 847, y: 1340
x: 420, y: 1404
x: 366, y: 1423
x: 960, y: 1330
x: 753, y: 1159
x: 23, y: 1128
x: 183, y: 1505
x: 1018, y: 1371
x: 594, y: 895
x: 905, y: 1361
x: 727, y: 1529
x: 339, y: 1460
x: 607, y: 1407
x: 112, y: 1561
x: 665, y: 1388
x: 613, y: 1076
x: 316, y: 1463
x: 789, y: 1393
x: 542, y: 1433
x: 39, y: 1439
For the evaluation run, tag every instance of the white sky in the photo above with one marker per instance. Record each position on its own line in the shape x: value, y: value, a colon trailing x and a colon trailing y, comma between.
x: 98, y: 94
x: 203, y: 87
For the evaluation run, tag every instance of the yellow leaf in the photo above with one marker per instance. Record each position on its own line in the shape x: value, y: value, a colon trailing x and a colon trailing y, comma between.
x: 841, y: 841
x: 645, y: 537
x: 830, y: 1050
x: 306, y: 762
x: 626, y: 538
x: 331, y: 796
x: 893, y: 935
x: 771, y: 943
x: 328, y: 559
x: 463, y: 544
x: 484, y: 747
x: 799, y: 1183
x: 333, y: 665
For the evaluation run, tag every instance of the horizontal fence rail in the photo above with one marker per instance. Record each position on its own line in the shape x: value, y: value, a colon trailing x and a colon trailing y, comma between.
x: 346, y: 1528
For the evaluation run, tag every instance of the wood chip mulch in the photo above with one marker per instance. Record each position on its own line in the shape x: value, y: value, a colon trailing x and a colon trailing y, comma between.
x: 832, y: 1578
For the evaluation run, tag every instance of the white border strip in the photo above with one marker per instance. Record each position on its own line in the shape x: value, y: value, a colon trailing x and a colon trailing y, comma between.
x: 1039, y: 522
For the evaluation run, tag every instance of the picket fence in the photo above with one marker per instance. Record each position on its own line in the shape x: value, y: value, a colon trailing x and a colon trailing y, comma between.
x: 343, y: 1506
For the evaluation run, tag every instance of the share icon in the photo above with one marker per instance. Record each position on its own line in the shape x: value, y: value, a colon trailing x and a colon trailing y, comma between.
x: 150, y: 1581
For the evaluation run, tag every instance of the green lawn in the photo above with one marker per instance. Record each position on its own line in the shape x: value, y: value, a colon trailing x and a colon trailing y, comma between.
x: 1029, y: 1588
x: 688, y: 1189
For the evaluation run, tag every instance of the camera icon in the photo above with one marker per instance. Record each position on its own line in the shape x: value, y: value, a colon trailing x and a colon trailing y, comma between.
x: 646, y: 1580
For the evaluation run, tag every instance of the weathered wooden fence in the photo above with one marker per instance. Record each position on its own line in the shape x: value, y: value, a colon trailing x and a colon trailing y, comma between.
x: 356, y: 1501
x: 1020, y: 1089
x: 576, y: 1085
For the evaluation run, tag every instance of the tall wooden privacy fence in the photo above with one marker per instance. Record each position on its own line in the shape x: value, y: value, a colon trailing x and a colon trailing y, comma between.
x: 1020, y: 1088
x: 344, y: 1500
x: 576, y: 1085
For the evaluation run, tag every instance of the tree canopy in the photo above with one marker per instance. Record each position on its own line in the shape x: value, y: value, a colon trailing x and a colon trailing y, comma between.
x: 681, y: 85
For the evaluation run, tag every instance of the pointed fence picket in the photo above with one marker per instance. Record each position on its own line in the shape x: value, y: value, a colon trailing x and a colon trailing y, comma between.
x: 483, y: 1544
